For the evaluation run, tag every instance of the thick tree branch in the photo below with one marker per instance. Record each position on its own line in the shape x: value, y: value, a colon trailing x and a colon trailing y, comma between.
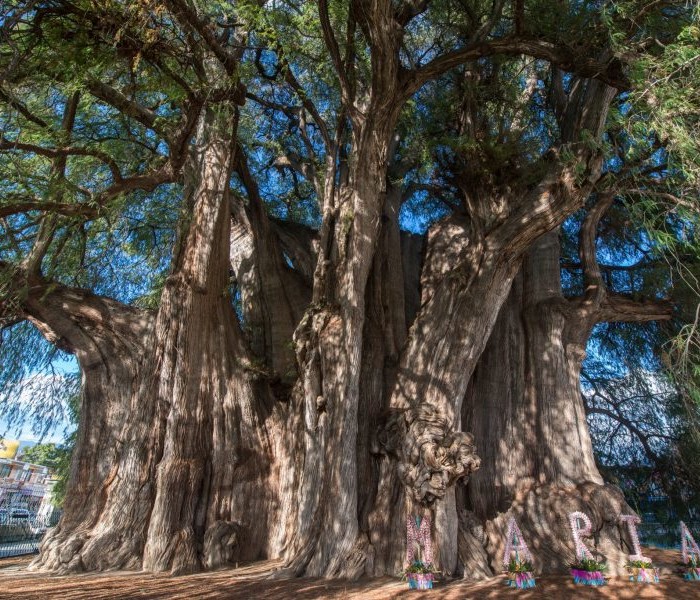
x: 617, y: 307
x: 564, y: 58
x: 543, y: 208
x: 334, y: 50
x: 68, y: 317
x: 597, y: 304
x: 146, y: 182
x: 61, y: 208
x: 592, y: 275
x: 6, y: 144
x: 133, y: 109
x: 181, y: 139
x: 567, y: 182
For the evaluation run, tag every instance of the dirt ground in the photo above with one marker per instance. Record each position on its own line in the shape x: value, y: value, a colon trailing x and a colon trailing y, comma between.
x: 253, y: 581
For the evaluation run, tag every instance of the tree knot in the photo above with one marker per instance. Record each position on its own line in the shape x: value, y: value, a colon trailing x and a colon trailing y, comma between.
x: 431, y: 457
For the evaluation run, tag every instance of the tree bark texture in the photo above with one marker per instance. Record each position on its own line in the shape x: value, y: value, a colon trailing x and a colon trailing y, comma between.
x: 204, y: 465
x: 212, y: 503
x: 329, y: 342
x: 108, y: 500
x: 274, y: 295
x: 174, y: 468
x: 467, y: 274
x: 525, y: 402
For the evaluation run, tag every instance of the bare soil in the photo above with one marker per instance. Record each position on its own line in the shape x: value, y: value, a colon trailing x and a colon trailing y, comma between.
x: 256, y: 581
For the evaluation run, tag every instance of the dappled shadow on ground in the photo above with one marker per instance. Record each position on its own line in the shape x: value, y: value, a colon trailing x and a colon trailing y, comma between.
x: 253, y: 582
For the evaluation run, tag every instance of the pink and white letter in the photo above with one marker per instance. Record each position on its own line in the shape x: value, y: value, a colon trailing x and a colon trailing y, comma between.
x: 519, y: 547
x: 688, y: 546
x: 632, y: 521
x: 581, y: 550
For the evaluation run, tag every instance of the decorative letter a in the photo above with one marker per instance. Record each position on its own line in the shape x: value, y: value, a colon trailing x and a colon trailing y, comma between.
x: 515, y: 543
x: 688, y: 546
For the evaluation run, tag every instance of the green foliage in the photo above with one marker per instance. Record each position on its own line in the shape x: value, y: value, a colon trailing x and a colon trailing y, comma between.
x: 638, y: 564
x: 519, y: 566
x: 418, y: 566
x: 589, y: 564
x: 34, y: 384
x: 670, y: 89
x: 46, y: 455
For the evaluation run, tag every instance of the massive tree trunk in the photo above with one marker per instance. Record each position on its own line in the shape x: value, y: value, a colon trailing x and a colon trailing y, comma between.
x: 470, y: 265
x: 383, y: 337
x: 275, y: 290
x: 225, y: 485
x: 174, y: 467
x: 329, y: 344
x: 525, y: 403
x: 108, y: 499
x: 192, y: 459
x: 214, y: 479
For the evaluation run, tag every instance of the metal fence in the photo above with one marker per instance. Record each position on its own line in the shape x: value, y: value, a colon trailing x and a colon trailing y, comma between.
x: 22, y: 536
x: 26, y: 514
x: 665, y: 535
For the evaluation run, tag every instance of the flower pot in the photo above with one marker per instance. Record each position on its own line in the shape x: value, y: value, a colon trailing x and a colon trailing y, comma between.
x: 521, y: 580
x: 588, y: 577
x: 691, y: 573
x: 642, y: 575
x: 420, y: 581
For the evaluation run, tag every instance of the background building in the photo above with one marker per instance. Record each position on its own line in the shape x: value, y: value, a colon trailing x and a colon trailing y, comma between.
x: 25, y: 488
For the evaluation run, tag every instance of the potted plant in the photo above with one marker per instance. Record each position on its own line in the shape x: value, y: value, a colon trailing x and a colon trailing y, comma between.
x: 420, y: 576
x: 519, y: 574
x: 691, y: 569
x: 642, y: 571
x: 588, y: 571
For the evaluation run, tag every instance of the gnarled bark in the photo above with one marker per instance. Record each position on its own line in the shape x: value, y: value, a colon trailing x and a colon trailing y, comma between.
x: 108, y: 499
x: 274, y: 293
x: 178, y: 432
x: 470, y: 265
x: 206, y: 468
x: 329, y: 344
x: 537, y: 452
x: 214, y: 473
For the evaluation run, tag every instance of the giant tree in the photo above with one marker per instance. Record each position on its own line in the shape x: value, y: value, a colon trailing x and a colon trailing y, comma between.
x: 230, y: 402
